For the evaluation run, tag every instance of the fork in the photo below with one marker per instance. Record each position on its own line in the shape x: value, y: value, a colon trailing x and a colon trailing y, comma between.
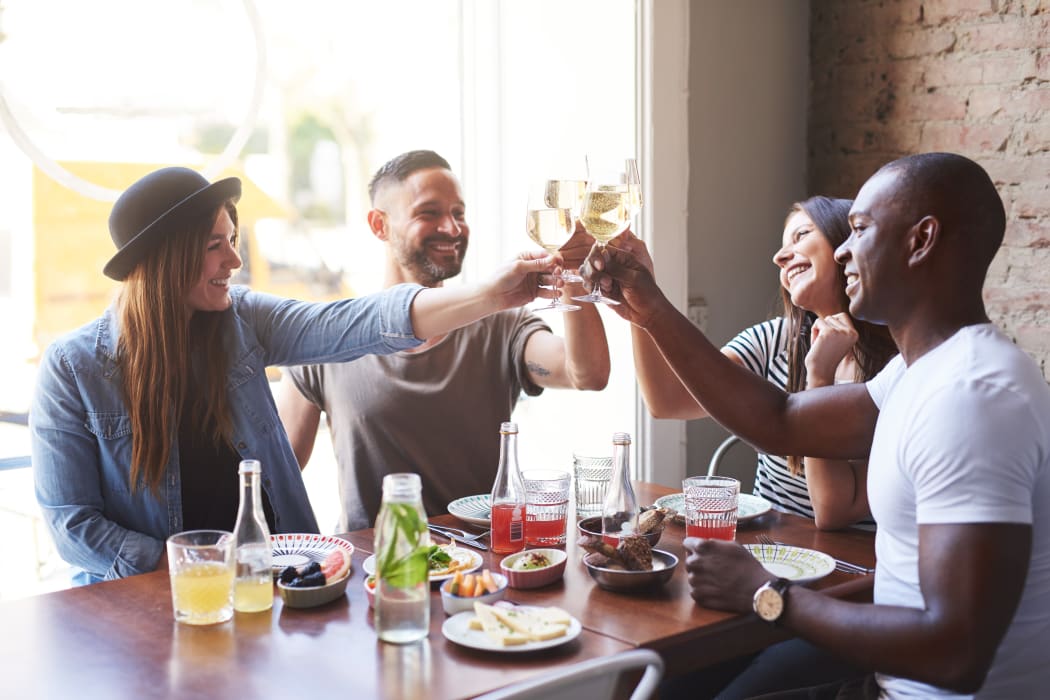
x: 461, y: 536
x: 456, y: 532
x: 840, y: 565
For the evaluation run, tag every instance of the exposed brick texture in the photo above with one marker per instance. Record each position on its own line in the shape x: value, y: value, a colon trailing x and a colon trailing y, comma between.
x: 893, y: 77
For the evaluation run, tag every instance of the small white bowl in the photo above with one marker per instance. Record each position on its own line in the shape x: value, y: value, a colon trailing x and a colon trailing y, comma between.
x: 456, y: 603
x: 534, y: 578
x: 370, y: 591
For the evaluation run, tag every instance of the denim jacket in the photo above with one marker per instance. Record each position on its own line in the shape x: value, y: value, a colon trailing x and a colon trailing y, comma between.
x: 81, y: 432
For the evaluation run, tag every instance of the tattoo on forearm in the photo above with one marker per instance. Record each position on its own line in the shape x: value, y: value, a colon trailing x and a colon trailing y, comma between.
x: 537, y: 369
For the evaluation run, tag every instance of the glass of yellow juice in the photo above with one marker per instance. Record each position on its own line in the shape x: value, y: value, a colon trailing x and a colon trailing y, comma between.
x: 201, y: 564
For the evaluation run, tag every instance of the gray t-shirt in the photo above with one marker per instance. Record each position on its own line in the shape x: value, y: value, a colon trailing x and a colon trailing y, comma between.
x: 436, y: 413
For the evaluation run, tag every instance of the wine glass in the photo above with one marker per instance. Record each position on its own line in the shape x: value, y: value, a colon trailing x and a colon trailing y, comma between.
x: 551, y: 225
x: 566, y: 194
x: 606, y: 211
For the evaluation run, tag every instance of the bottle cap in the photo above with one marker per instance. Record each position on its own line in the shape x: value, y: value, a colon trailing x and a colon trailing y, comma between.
x: 621, y: 438
x: 250, y: 466
x: 508, y: 427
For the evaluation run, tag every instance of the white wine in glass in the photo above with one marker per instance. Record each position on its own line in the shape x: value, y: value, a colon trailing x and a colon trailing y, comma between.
x: 566, y: 194
x: 551, y: 228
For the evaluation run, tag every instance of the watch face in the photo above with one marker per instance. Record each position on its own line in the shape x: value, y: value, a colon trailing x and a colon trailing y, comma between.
x: 769, y: 604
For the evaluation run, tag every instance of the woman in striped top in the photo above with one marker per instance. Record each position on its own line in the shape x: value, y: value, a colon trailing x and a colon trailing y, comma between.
x: 816, y: 342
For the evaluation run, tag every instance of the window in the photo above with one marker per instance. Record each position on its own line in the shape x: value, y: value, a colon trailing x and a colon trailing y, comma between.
x: 304, y: 101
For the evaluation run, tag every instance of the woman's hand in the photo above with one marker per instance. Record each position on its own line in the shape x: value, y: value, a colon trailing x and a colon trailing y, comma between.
x: 623, y: 269
x: 831, y: 339
x: 523, y: 279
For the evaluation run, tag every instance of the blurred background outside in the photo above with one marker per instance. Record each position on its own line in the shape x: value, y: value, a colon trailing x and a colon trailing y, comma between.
x: 303, y: 101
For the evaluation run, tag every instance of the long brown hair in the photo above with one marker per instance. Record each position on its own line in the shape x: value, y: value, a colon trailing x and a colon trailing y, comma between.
x: 162, y: 351
x: 874, y: 346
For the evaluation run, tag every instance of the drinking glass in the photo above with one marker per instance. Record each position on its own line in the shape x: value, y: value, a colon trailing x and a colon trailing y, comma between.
x: 567, y: 193
x: 546, y: 506
x: 711, y: 506
x: 606, y: 211
x: 201, y: 564
x: 550, y: 221
x: 592, y: 476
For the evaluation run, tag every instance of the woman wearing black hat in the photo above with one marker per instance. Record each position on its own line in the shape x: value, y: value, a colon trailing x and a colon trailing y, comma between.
x: 140, y: 418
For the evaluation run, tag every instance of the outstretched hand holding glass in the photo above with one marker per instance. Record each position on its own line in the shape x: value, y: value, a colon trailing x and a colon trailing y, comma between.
x: 612, y: 196
x: 550, y: 225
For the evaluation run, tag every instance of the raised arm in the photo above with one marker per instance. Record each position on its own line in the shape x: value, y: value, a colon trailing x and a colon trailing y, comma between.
x: 831, y: 422
x: 300, y: 417
x: 580, y: 359
x: 438, y: 310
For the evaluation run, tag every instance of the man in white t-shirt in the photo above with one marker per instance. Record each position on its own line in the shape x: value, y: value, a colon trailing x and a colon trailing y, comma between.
x: 958, y: 430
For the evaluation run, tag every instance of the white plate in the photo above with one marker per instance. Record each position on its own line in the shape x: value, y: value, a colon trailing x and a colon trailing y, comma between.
x: 748, y: 506
x: 457, y: 629
x: 469, y: 557
x: 299, y: 549
x: 472, y: 509
x: 793, y: 563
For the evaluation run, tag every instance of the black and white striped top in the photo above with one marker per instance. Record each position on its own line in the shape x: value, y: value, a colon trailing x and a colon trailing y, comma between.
x: 764, y: 350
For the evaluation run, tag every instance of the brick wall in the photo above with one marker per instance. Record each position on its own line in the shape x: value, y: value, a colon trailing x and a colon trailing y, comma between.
x: 968, y: 76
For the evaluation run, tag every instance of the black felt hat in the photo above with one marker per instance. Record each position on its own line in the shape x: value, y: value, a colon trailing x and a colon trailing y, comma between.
x: 159, y: 205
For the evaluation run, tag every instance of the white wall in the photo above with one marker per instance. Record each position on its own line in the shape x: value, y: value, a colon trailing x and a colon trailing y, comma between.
x: 748, y: 81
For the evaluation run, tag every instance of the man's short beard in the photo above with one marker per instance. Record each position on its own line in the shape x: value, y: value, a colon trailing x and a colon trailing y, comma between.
x: 426, y: 271
x: 429, y: 273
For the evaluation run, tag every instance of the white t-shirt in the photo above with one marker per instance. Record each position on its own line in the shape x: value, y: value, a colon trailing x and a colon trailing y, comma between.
x: 963, y: 436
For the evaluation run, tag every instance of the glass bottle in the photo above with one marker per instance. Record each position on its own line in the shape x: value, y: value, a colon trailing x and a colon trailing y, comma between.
x: 620, y: 510
x: 402, y: 607
x: 253, y: 585
x: 508, y: 496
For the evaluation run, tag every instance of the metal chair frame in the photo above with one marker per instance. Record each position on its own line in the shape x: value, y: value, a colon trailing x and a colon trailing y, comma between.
x: 594, y: 679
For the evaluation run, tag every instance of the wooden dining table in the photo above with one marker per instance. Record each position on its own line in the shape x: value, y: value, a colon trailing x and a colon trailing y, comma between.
x: 118, y: 639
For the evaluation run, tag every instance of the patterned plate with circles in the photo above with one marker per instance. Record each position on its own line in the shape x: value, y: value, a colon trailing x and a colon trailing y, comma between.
x: 472, y: 509
x: 299, y: 549
x: 748, y: 506
x: 793, y: 563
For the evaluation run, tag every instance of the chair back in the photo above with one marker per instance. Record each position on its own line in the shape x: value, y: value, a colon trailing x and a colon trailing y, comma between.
x: 716, y: 458
x: 595, y: 679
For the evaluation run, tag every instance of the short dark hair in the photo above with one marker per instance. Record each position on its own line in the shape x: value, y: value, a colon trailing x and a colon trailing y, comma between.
x: 398, y: 169
x: 959, y: 192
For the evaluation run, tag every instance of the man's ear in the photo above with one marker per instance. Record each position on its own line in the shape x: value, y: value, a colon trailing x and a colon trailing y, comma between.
x: 377, y: 222
x: 922, y: 239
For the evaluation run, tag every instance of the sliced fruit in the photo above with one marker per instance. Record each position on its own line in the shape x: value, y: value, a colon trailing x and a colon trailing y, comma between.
x: 336, y: 565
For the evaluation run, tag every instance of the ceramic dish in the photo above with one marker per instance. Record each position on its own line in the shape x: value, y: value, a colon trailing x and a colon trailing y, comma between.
x: 472, y: 509
x: 370, y: 592
x: 454, y: 604
x: 313, y: 596
x: 664, y: 564
x: 470, y: 559
x: 457, y: 629
x: 299, y: 549
x: 748, y: 506
x: 534, y: 578
x: 593, y: 526
x: 793, y: 563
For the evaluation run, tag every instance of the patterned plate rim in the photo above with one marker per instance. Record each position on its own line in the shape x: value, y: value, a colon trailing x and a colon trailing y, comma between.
x: 819, y: 563
x: 299, y: 548
x: 757, y: 502
x: 466, y: 510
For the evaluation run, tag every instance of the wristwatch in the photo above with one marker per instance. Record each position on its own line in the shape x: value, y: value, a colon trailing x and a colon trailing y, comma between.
x: 769, y: 599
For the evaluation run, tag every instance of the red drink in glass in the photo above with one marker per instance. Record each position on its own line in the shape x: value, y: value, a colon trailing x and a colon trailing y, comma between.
x: 507, y: 534
x: 539, y: 533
